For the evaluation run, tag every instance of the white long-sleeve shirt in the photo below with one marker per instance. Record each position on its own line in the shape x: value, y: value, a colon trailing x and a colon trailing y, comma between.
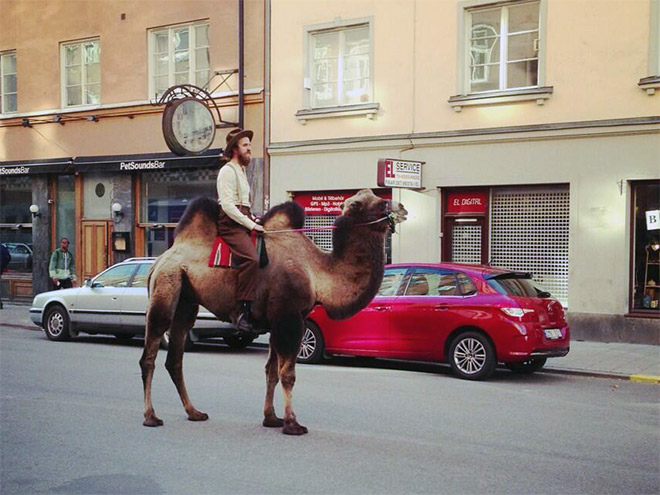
x: 233, y: 191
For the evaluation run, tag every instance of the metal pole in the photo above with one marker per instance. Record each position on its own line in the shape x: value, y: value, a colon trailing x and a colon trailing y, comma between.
x: 241, y: 55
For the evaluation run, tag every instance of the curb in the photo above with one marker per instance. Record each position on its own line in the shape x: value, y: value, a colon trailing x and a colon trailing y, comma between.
x: 604, y: 374
x: 18, y: 325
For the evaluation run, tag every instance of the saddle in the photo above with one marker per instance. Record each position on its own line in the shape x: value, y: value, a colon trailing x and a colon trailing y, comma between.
x: 222, y: 257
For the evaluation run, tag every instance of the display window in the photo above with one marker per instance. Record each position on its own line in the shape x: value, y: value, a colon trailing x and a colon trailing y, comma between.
x: 646, y: 247
x: 164, y: 196
x: 16, y: 223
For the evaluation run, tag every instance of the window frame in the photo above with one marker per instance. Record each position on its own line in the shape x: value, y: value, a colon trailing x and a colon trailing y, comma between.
x: 83, y: 73
x: 466, y: 97
x: 3, y: 94
x: 192, y: 47
x: 309, y: 111
x: 651, y: 83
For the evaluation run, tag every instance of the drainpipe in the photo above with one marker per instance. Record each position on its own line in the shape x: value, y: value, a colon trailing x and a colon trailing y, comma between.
x: 241, y: 56
x: 266, y: 134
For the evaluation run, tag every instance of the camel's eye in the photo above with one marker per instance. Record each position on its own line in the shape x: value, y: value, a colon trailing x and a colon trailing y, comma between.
x: 341, y: 206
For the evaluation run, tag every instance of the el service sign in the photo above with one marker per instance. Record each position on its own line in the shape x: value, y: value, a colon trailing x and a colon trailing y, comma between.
x: 399, y: 173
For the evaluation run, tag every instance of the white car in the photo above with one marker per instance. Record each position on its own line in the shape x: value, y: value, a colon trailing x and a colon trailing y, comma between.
x: 115, y: 302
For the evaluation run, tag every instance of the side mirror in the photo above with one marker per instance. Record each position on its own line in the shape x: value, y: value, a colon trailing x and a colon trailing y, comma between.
x: 88, y: 282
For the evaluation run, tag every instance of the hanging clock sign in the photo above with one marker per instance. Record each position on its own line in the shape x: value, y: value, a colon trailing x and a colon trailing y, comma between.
x: 188, y: 126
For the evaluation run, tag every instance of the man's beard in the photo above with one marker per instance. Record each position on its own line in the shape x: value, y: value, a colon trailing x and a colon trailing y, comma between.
x: 244, y: 159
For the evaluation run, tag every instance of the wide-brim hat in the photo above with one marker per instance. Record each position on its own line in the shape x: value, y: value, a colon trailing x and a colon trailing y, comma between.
x: 232, y: 140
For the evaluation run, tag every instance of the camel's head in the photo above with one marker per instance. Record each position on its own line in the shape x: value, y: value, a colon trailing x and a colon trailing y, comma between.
x: 367, y: 208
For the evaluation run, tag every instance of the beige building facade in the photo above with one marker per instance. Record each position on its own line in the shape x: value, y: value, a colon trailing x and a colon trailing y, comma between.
x: 81, y: 133
x: 536, y: 123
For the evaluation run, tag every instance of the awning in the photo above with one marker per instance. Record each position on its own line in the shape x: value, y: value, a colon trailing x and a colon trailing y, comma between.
x: 145, y: 162
x: 31, y: 167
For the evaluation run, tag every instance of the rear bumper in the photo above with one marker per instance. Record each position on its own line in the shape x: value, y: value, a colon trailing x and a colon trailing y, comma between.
x: 549, y: 353
x: 36, y: 315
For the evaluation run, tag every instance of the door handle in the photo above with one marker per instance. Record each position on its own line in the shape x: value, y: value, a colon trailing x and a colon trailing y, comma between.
x: 442, y: 307
x: 382, y: 308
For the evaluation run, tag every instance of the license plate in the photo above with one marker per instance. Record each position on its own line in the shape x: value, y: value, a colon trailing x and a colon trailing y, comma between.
x: 552, y: 333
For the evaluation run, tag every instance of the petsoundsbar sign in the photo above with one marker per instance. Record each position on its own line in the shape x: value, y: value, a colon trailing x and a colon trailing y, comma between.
x: 393, y: 172
x: 150, y: 165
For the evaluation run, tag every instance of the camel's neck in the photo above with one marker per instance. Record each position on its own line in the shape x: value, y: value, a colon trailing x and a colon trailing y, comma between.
x: 352, y: 273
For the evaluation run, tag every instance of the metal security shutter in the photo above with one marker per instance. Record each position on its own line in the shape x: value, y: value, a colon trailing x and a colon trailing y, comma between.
x: 466, y: 244
x: 529, y: 232
x: 322, y: 238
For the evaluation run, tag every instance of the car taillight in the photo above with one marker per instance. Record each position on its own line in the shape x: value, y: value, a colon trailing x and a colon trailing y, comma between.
x: 516, y: 312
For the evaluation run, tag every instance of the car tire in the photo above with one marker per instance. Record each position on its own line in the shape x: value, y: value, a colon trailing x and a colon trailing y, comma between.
x: 56, y: 324
x: 238, y: 341
x: 472, y: 356
x: 527, y: 367
x: 124, y: 337
x: 165, y: 342
x: 312, y: 346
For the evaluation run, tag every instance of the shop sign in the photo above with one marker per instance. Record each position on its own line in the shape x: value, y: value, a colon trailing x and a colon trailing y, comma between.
x: 399, y: 173
x: 14, y: 170
x: 150, y: 165
x: 653, y: 220
x: 33, y: 167
x: 328, y: 202
x: 473, y: 203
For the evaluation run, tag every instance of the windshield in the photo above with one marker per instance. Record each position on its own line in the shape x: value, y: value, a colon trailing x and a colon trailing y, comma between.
x: 514, y: 285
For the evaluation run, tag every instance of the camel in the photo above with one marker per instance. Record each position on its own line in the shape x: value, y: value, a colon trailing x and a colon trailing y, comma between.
x: 298, y: 276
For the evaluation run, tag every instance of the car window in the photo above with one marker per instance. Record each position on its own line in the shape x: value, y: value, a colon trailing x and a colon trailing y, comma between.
x: 140, y: 278
x: 21, y: 249
x: 432, y: 282
x: 117, y: 276
x: 466, y: 285
x: 513, y: 285
x: 391, y: 281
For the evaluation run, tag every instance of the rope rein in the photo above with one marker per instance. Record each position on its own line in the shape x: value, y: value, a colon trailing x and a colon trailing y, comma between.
x: 331, y: 227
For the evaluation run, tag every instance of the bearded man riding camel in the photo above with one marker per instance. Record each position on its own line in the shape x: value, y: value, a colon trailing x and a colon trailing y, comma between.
x: 236, y: 222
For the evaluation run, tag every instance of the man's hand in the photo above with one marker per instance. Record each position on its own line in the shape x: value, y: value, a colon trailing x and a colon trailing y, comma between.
x: 259, y: 228
x: 56, y: 282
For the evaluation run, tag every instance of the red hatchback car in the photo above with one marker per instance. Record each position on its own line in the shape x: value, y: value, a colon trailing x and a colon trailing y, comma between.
x: 471, y: 316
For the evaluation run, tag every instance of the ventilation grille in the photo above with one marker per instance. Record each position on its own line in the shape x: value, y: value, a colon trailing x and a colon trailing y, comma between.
x: 466, y: 244
x: 529, y: 232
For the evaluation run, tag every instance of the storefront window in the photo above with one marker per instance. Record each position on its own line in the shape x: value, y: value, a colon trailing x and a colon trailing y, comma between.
x: 165, y: 195
x: 65, y: 215
x: 16, y: 223
x: 646, y: 246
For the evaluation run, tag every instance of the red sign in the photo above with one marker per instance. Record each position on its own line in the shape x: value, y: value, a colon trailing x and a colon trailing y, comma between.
x: 328, y: 202
x: 399, y: 173
x: 467, y: 202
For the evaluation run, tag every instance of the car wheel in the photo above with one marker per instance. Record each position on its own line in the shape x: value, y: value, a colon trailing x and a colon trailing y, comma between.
x: 165, y: 342
x: 472, y: 356
x: 124, y: 337
x: 57, y: 324
x: 238, y: 341
x: 312, y: 346
x: 527, y: 367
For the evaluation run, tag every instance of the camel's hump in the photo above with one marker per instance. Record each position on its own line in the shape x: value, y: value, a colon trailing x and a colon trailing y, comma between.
x: 289, y: 215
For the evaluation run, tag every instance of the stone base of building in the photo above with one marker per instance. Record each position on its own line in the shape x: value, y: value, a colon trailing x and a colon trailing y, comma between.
x: 614, y: 328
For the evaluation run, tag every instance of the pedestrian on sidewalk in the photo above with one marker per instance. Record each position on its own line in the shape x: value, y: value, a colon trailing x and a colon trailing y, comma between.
x: 61, y: 267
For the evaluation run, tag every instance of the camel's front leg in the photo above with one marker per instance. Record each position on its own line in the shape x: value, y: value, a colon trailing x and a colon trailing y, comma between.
x: 147, y: 364
x: 287, y: 373
x: 184, y: 319
x: 270, y: 419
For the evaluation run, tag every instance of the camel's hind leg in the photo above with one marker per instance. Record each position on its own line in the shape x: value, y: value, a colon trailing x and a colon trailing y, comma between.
x: 162, y: 304
x: 183, y: 321
x: 286, y: 339
x: 272, y: 378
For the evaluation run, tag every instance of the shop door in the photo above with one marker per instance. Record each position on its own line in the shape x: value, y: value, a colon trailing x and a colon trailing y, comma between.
x: 94, y: 247
x: 466, y: 240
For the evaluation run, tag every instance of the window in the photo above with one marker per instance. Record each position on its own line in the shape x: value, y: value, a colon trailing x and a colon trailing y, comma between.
x: 652, y: 83
x: 116, y: 276
x: 81, y: 73
x: 504, y: 47
x: 646, y: 247
x: 431, y: 282
x: 501, y: 53
x: 8, y: 83
x: 391, y: 281
x: 140, y: 277
x: 179, y: 55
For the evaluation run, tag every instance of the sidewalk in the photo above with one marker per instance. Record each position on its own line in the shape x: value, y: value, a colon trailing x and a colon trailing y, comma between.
x: 624, y: 361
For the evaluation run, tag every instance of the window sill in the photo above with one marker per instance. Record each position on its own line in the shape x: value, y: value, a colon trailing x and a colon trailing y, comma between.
x: 643, y: 313
x: 649, y: 84
x: 457, y: 102
x: 366, y: 109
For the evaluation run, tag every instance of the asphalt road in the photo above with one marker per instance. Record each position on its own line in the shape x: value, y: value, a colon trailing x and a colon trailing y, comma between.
x: 71, y: 422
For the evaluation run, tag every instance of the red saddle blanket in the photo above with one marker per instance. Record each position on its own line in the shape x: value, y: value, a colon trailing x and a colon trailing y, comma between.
x: 221, y: 255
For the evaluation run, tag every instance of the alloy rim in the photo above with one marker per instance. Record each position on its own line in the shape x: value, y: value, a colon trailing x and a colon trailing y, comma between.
x: 470, y: 356
x: 308, y: 344
x: 55, y: 324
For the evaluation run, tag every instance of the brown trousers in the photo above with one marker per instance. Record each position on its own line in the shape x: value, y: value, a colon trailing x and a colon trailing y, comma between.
x: 238, y: 239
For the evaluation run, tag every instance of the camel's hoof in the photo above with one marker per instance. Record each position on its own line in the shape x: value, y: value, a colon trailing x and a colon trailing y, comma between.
x: 153, y: 421
x: 293, y: 428
x: 197, y: 416
x: 273, y: 422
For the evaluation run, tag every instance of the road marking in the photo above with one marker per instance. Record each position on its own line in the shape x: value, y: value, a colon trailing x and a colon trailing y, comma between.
x: 645, y: 378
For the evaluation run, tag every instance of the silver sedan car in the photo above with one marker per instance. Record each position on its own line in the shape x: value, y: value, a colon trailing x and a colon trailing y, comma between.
x: 115, y: 302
